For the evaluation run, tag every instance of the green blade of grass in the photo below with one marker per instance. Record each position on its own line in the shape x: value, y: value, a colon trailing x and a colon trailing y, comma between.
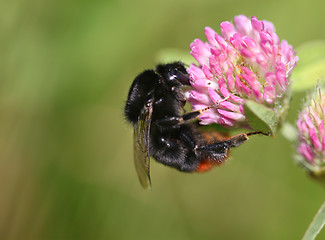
x: 316, y: 225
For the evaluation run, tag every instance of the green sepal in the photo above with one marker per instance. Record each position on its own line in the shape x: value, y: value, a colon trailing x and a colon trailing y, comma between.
x: 260, y: 117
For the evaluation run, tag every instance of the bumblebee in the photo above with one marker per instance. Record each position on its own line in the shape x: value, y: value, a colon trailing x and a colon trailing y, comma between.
x: 155, y: 108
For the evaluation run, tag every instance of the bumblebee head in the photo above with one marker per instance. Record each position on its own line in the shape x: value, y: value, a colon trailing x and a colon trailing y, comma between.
x: 174, y: 73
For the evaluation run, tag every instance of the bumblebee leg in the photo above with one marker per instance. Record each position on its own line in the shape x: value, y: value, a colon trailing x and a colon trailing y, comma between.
x: 174, y: 121
x: 223, y: 145
x: 218, y: 151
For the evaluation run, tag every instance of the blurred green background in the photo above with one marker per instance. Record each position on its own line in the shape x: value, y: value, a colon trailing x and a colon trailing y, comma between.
x: 66, y: 161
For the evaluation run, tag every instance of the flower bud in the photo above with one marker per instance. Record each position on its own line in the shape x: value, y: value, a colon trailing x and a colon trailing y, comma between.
x: 311, y: 134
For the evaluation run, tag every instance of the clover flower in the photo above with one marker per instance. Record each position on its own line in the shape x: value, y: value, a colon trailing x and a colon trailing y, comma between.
x: 311, y: 133
x: 247, y: 61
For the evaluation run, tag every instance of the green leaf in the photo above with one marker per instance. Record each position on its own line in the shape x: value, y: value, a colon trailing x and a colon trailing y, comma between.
x: 172, y: 54
x: 310, y: 67
x: 260, y: 117
x: 316, y: 225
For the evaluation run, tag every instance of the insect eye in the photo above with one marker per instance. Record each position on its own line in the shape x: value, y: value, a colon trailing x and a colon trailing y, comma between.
x: 176, y: 74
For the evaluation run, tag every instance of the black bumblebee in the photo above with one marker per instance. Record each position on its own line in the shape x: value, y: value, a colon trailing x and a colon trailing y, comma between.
x: 155, y: 107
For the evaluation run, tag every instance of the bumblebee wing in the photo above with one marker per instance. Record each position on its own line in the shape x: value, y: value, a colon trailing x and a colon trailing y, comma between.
x: 141, y: 148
